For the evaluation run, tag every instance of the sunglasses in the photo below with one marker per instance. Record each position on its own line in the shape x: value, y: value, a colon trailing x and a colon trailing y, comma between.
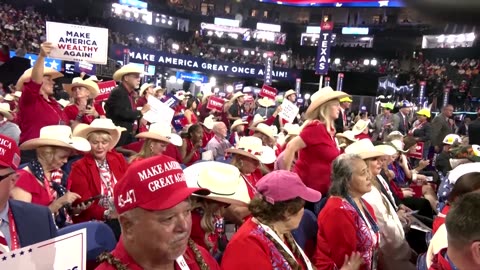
x: 5, y: 176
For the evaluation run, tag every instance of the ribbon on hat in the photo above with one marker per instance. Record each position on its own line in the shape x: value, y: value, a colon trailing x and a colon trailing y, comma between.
x: 250, y: 151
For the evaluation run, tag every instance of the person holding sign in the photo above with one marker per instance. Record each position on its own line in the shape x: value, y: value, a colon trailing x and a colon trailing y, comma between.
x: 120, y: 106
x: 154, y: 208
x: 37, y: 106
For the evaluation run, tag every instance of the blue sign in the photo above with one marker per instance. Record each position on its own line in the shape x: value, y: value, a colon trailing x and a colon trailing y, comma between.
x: 186, y: 62
x: 49, y: 62
x: 323, y: 52
x: 134, y: 3
x: 268, y: 70
x: 170, y: 100
x: 192, y: 77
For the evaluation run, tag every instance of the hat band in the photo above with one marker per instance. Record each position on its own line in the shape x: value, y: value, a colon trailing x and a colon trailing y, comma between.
x: 216, y: 193
x: 250, y: 151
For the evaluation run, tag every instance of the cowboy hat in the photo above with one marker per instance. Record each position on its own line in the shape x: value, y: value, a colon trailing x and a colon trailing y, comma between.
x: 346, y: 99
x: 9, y: 97
x: 162, y: 132
x: 208, y: 122
x: 28, y: 74
x: 127, y: 69
x: 100, y: 124
x: 322, y: 96
x: 264, y: 129
x: 347, y: 134
x: 360, y: 126
x: 144, y: 87
x: 64, y: 103
x: 451, y: 139
x: 57, y: 135
x: 94, y: 79
x: 257, y: 119
x: 292, y: 130
x: 266, y: 102
x: 365, y: 149
x: 6, y: 111
x: 252, y: 147
x: 91, y: 86
x: 17, y: 94
x: 237, y: 123
x: 289, y: 93
x: 237, y: 95
x: 424, y: 112
x: 224, y: 181
x: 398, y: 146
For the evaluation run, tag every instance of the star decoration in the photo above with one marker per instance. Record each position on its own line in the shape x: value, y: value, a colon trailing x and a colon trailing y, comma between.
x: 30, y: 250
x: 13, y: 255
x: 4, y: 258
x: 54, y: 64
x: 22, y: 252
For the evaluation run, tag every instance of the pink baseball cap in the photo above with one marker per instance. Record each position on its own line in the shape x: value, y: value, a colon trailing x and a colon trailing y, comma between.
x: 154, y: 184
x: 9, y: 152
x: 281, y: 185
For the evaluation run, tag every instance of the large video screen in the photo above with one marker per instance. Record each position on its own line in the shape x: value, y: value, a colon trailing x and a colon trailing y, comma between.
x: 337, y: 3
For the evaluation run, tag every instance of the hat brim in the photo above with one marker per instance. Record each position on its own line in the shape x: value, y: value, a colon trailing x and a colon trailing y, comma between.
x: 263, y: 132
x: 310, y: 195
x: 77, y: 143
x: 235, y: 97
x: 322, y: 100
x: 82, y: 130
x: 289, y: 93
x: 6, y: 114
x: 173, y: 138
x: 372, y: 154
x: 142, y: 91
x: 266, y: 103
x: 28, y: 75
x: 68, y: 88
x: 173, y: 198
x: 267, y: 157
x: 118, y: 75
x: 351, y: 139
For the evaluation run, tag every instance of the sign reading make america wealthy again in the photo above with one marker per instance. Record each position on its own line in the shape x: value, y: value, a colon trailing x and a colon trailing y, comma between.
x: 186, y: 62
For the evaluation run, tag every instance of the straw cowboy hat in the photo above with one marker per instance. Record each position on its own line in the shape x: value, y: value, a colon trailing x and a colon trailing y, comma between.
x: 93, y: 78
x: 257, y: 119
x: 347, y: 134
x: 224, y: 181
x: 57, y: 135
x: 28, y: 74
x: 208, y: 122
x: 266, y: 102
x: 237, y: 123
x: 9, y: 97
x: 101, y: 124
x: 91, y: 86
x: 64, y: 103
x: 398, y: 146
x: 264, y: 129
x: 127, y: 69
x: 6, y: 111
x: 162, y: 132
x: 237, y: 95
x: 289, y: 93
x: 322, y: 96
x: 17, y: 94
x: 144, y: 87
x: 292, y: 130
x: 365, y: 149
x: 252, y: 147
x: 360, y: 126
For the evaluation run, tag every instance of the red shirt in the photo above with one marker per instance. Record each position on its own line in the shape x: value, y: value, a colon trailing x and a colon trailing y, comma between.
x: 72, y: 111
x: 36, y: 112
x: 362, y: 136
x: 207, y: 136
x: 141, y: 101
x: 120, y: 253
x: 196, y: 156
x: 251, y: 180
x: 30, y: 184
x: 315, y: 160
x: 173, y: 152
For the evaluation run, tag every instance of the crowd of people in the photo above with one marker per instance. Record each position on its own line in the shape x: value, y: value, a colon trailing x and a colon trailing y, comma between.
x: 237, y: 187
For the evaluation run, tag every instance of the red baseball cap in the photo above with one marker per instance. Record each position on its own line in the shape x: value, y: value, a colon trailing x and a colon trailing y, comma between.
x: 9, y: 152
x: 281, y: 185
x: 154, y: 184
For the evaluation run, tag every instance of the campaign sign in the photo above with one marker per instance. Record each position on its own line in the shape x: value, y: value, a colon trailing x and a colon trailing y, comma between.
x: 78, y: 43
x: 68, y: 251
x: 323, y: 52
x: 289, y: 111
x: 105, y: 89
x: 418, y: 153
x: 268, y: 92
x: 215, y: 103
x: 170, y: 100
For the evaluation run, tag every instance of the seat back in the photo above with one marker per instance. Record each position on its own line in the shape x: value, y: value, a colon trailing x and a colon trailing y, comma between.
x: 307, y: 230
x: 100, y: 237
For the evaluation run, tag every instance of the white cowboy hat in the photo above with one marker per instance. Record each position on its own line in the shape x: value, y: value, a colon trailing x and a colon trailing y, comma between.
x: 64, y: 103
x: 257, y: 119
x: 347, y: 134
x: 322, y: 96
x: 100, y: 124
x: 365, y: 149
x: 57, y: 135
x: 28, y: 74
x: 292, y: 130
x: 266, y: 102
x: 144, y: 87
x: 162, y: 132
x: 237, y: 123
x: 398, y: 146
x: 8, y: 97
x: 17, y: 94
x: 264, y: 129
x: 462, y: 169
x: 252, y: 147
x: 5, y: 110
x: 180, y: 96
x: 289, y: 93
x: 91, y: 86
x: 360, y: 126
x: 208, y: 122
x: 237, y: 95
x: 93, y: 78
x: 224, y: 181
x: 127, y: 69
x: 451, y: 139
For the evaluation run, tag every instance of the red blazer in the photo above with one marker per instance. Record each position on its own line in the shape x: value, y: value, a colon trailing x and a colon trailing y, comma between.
x: 84, y: 179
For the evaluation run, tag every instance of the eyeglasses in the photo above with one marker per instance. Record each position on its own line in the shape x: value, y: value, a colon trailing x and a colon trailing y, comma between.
x: 5, y: 176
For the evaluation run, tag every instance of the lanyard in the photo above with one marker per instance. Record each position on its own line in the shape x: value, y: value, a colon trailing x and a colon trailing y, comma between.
x: 15, y: 243
x: 107, y: 187
x: 285, y: 247
x: 48, y: 188
x: 369, y: 217
x: 182, y: 263
x: 254, y: 189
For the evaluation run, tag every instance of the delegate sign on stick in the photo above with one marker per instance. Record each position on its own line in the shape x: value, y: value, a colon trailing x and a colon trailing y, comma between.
x: 215, y: 103
x: 78, y: 43
x: 268, y: 92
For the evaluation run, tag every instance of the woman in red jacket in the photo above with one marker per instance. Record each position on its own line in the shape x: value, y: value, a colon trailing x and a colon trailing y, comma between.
x: 316, y: 144
x: 347, y: 224
x: 98, y: 171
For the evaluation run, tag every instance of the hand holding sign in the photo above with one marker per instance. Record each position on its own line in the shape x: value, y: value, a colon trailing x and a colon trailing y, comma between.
x: 46, y: 48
